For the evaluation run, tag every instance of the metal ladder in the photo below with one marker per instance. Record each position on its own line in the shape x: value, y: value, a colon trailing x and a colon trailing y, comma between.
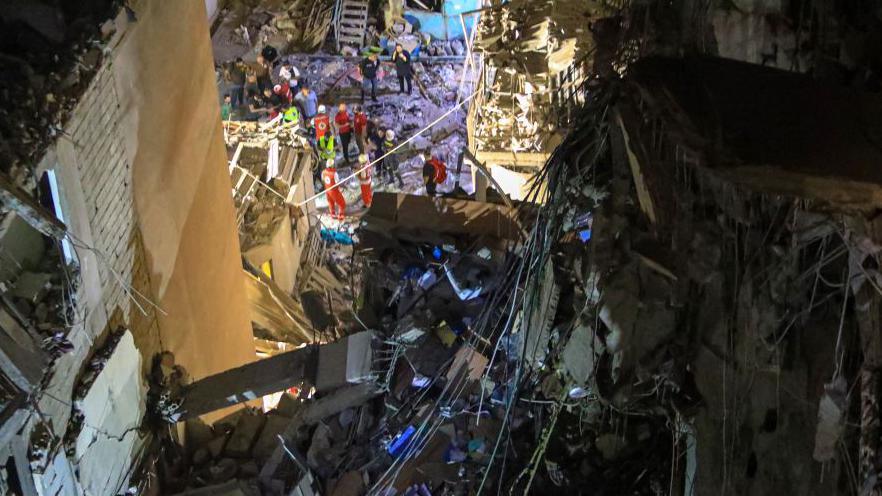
x: 351, y: 22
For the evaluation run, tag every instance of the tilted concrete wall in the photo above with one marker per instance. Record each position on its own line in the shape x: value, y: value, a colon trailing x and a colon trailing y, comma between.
x: 143, y: 182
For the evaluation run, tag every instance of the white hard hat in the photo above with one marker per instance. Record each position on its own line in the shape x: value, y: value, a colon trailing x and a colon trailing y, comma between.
x: 390, y: 134
x: 322, y: 109
x: 329, y: 162
x: 362, y: 159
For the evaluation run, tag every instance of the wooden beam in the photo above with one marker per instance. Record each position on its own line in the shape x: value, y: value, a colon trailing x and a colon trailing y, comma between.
x: 521, y: 159
x: 477, y: 163
x: 249, y: 382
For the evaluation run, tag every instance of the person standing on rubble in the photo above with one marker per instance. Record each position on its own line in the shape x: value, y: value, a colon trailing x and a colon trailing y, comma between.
x: 289, y: 74
x: 321, y: 122
x: 235, y: 76
x: 263, y: 70
x: 369, y: 69
x: 364, y: 179
x: 336, y: 202
x: 391, y: 162
x: 434, y: 173
x: 343, y: 125
x: 360, y: 128
x: 403, y: 68
x: 308, y: 101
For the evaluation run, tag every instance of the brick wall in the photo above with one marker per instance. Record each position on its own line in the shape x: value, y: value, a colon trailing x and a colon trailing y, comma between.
x: 105, y: 176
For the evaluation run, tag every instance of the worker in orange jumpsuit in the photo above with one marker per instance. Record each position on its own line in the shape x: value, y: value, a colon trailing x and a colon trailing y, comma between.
x: 336, y: 202
x: 321, y: 122
x: 364, y: 177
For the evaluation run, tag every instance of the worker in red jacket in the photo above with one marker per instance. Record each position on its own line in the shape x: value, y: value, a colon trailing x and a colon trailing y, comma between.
x: 434, y: 173
x: 343, y: 125
x: 360, y: 127
x: 364, y: 178
x: 321, y: 122
x: 336, y: 202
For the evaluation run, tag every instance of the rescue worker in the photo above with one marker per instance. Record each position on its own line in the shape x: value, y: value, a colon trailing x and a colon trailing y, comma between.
x: 360, y: 128
x: 376, y: 138
x: 321, y: 122
x: 336, y: 202
x: 343, y: 125
x: 434, y: 173
x: 391, y: 162
x: 364, y: 178
x: 291, y: 116
x: 284, y: 93
x: 325, y: 147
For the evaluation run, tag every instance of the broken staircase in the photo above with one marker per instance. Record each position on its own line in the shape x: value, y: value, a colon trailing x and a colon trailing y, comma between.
x: 351, y: 22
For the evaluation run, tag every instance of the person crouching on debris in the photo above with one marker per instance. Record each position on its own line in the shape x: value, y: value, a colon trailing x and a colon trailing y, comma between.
x: 291, y: 116
x: 321, y: 122
x: 434, y: 173
x: 325, y: 146
x: 343, y: 124
x: 284, y: 93
x: 364, y: 178
x: 360, y: 128
x: 330, y: 179
x: 391, y: 163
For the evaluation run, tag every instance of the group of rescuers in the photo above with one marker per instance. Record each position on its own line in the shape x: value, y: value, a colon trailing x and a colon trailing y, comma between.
x: 294, y: 100
x: 374, y: 144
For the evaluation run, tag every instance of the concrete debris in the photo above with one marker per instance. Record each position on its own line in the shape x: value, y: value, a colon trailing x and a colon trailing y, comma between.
x: 830, y: 421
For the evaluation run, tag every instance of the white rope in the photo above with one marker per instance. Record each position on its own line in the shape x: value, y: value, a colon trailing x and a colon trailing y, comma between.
x: 408, y: 140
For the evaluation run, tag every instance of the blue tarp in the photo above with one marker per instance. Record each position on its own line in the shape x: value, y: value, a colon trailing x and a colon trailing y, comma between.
x: 446, y: 25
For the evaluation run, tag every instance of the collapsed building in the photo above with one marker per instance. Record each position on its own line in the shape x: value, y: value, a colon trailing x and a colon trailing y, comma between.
x: 653, y: 268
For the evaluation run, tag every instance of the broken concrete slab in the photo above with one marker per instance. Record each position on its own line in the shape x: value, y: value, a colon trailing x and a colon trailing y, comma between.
x: 269, y: 437
x: 244, y: 435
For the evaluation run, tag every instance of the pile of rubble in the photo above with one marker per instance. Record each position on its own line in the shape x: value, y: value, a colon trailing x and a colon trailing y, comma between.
x: 527, y: 46
x: 37, y: 294
x: 49, y: 55
x: 290, y: 25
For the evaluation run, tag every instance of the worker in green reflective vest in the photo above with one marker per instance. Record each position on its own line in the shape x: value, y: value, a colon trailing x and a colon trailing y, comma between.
x: 291, y: 116
x: 326, y: 147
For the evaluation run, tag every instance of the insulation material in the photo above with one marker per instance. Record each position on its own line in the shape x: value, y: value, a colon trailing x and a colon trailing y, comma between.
x: 113, y: 409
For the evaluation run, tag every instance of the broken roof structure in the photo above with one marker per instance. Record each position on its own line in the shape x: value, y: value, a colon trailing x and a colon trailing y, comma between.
x: 729, y: 118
